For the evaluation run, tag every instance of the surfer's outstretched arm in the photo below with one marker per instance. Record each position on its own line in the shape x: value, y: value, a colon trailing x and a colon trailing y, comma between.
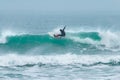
x: 64, y: 27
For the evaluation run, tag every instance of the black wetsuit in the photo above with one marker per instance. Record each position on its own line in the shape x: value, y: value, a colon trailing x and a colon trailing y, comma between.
x: 62, y: 32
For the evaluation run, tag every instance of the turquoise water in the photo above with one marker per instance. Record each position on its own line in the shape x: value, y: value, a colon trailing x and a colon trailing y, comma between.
x: 90, y: 50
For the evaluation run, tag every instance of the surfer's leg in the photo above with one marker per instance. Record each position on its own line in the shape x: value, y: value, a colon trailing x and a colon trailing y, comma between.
x: 56, y: 35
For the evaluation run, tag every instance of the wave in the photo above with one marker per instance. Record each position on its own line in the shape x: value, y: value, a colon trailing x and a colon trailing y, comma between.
x: 26, y: 38
x: 77, y: 41
x: 66, y: 59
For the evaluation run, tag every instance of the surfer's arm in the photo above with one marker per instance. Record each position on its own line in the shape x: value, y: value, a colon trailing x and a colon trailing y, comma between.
x: 64, y: 28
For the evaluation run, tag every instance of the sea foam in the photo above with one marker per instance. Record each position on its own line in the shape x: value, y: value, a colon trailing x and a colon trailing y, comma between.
x: 65, y: 59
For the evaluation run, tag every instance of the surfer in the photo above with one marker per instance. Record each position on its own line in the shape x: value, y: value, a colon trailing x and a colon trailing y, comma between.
x: 62, y: 31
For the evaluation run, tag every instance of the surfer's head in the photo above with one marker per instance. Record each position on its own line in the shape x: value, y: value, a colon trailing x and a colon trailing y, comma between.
x: 60, y: 29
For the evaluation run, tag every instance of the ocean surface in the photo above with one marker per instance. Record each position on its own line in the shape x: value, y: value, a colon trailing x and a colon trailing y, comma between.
x: 90, y: 50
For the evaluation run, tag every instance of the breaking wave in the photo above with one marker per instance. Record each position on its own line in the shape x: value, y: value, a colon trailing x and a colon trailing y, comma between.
x: 80, y: 40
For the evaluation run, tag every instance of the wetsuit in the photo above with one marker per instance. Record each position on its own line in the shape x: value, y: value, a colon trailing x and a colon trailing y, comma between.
x: 62, y: 32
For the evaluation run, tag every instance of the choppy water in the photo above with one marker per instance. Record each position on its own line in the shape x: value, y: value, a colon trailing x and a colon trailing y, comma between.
x: 90, y: 50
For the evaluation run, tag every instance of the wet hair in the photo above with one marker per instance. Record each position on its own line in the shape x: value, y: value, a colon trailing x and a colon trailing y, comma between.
x: 60, y: 29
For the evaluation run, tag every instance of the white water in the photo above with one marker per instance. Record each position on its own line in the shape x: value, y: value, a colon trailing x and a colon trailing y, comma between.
x: 65, y: 59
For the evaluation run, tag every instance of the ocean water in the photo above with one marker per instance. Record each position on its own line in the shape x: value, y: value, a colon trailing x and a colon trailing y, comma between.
x: 90, y: 50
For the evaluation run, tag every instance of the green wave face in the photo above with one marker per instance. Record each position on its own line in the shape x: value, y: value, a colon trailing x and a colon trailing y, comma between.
x: 23, y: 43
x: 91, y: 35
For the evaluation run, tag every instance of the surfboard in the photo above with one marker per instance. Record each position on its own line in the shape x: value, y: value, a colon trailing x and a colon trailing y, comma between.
x: 51, y: 34
x: 54, y: 35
